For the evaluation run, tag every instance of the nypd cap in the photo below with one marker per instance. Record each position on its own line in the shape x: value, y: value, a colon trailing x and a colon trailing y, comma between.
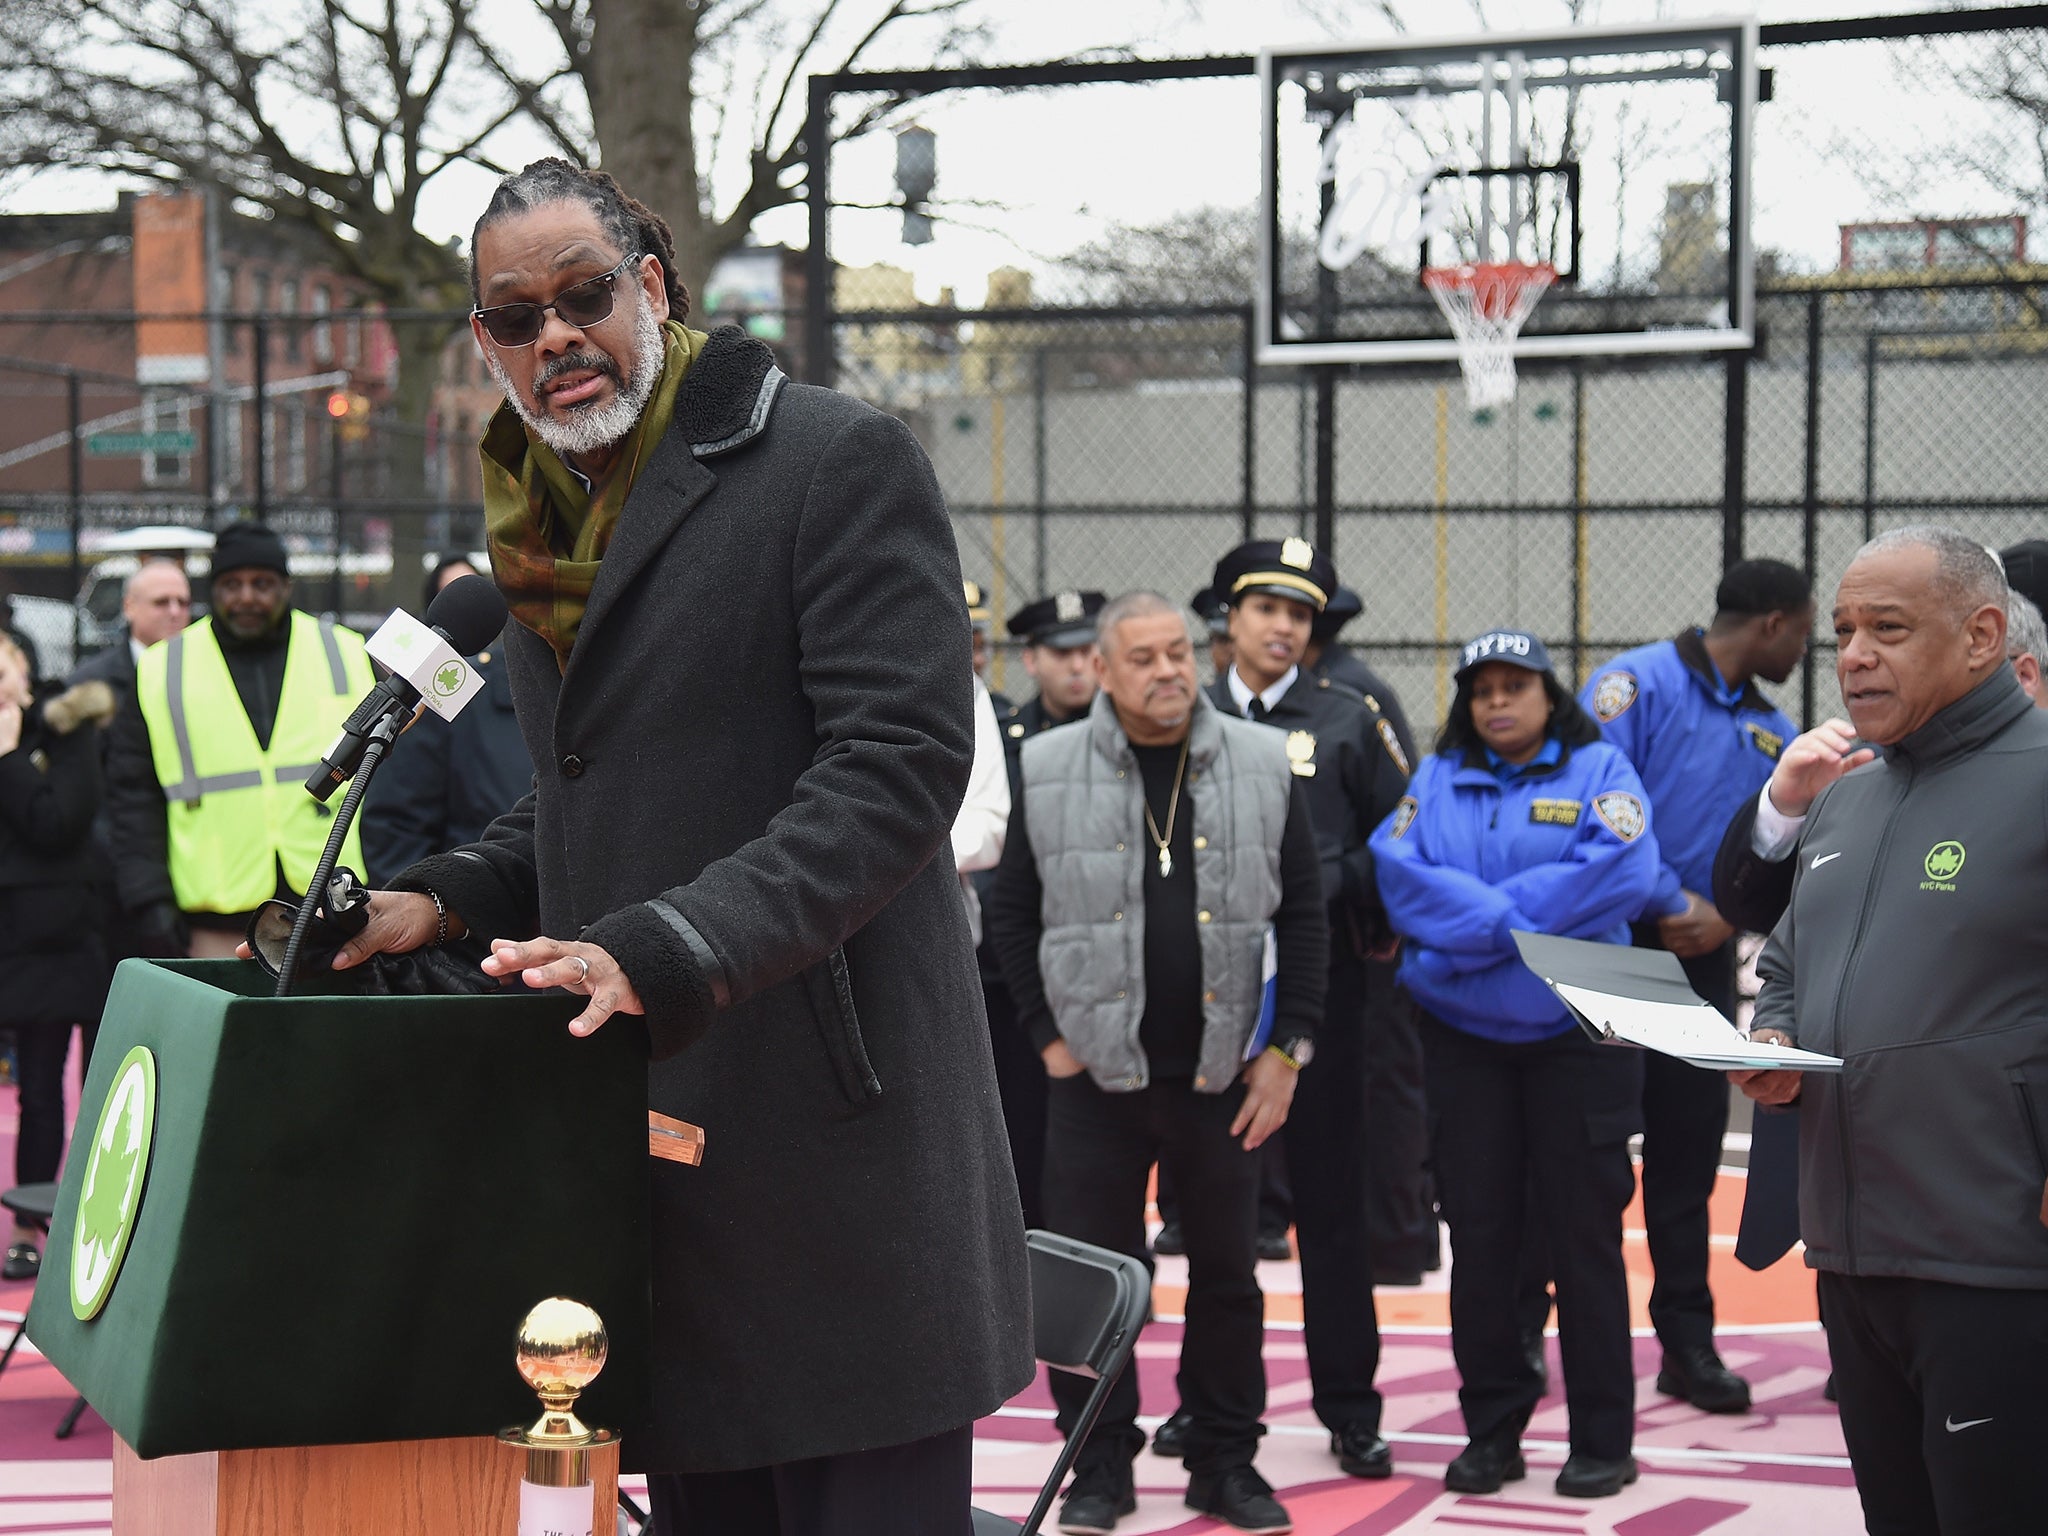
x: 1515, y: 647
x: 2026, y: 570
x: 1279, y: 567
x: 1210, y: 610
x: 1064, y: 620
x: 978, y: 613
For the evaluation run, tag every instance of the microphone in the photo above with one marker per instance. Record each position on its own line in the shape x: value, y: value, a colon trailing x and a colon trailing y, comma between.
x: 468, y: 613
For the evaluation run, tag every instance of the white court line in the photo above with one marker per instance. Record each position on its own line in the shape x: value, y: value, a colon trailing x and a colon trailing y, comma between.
x: 1432, y: 1330
x: 1558, y: 1448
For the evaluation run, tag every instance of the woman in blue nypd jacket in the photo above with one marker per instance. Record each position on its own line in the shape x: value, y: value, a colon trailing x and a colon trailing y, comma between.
x: 1524, y: 818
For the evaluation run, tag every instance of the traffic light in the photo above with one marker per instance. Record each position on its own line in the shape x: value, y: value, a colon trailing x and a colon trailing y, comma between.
x: 351, y: 414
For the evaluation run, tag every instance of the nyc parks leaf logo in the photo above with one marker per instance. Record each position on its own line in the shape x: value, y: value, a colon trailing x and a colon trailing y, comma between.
x: 1943, y: 863
x: 112, y: 1187
x: 449, y: 679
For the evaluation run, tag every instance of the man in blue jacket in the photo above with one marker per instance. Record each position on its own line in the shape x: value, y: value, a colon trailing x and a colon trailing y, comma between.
x: 1689, y: 716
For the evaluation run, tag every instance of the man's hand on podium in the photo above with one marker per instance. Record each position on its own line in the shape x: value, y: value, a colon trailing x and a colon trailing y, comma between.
x: 399, y: 923
x: 577, y: 967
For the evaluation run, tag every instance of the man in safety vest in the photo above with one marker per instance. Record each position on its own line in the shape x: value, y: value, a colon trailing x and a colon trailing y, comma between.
x: 206, y: 766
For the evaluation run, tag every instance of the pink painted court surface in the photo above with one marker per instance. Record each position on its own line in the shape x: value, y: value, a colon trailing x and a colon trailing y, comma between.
x: 1778, y: 1468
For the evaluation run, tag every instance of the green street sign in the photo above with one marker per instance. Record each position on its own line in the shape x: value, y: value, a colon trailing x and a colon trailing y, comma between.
x: 119, y: 445
x: 114, y: 1169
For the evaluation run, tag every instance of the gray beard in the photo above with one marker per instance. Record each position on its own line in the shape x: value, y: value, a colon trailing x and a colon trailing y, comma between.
x: 597, y: 427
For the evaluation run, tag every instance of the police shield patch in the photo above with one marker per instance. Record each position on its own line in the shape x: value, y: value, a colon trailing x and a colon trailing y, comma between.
x: 1404, y: 814
x: 1622, y: 812
x: 1301, y: 753
x: 1393, y: 746
x: 1614, y: 693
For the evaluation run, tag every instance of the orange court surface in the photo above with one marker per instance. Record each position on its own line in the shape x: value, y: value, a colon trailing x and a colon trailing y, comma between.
x: 1776, y: 1468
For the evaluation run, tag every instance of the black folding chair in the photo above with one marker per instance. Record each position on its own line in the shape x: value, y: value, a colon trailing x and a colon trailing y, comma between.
x: 36, y: 1204
x: 33, y: 1205
x: 1087, y: 1307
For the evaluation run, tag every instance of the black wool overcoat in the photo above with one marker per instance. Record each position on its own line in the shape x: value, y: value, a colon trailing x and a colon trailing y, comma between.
x: 744, y: 775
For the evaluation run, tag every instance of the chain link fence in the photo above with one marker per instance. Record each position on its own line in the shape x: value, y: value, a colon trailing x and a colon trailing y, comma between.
x: 1126, y: 448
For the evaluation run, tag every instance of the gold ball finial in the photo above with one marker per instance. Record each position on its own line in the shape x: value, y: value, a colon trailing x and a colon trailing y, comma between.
x: 562, y: 1348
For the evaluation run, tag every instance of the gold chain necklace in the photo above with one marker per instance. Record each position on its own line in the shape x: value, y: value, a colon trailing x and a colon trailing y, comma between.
x: 1163, y: 841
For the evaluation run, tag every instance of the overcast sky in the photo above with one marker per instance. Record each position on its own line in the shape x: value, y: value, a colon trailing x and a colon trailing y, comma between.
x: 1059, y: 165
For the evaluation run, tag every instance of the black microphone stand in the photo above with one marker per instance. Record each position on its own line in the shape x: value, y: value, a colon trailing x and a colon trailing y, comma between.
x: 382, y: 735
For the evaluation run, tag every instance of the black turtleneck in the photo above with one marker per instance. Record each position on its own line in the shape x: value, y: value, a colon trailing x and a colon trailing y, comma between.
x: 257, y: 666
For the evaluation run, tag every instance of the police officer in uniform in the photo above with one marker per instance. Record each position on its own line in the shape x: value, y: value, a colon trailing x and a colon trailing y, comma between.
x: 1704, y: 739
x: 1326, y: 658
x: 1402, y: 1203
x: 1059, y: 646
x: 980, y: 620
x: 1210, y: 610
x: 1352, y: 768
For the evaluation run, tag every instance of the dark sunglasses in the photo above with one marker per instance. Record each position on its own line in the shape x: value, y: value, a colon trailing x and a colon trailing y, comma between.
x: 581, y: 305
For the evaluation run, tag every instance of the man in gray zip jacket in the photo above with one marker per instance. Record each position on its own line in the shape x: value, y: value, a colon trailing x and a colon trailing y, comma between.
x: 1915, y: 948
x: 1153, y: 844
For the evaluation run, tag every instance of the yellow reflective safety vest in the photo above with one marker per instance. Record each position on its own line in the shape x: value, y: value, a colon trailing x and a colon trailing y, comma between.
x: 237, y: 811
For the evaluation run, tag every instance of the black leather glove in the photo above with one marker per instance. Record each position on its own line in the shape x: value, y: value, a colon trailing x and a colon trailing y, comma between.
x: 452, y: 969
x: 161, y: 932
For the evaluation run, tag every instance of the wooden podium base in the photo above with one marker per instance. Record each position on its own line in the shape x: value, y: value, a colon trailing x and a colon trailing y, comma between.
x: 395, y: 1488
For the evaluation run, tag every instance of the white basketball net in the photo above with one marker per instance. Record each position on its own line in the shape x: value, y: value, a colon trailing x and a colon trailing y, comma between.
x: 1487, y: 304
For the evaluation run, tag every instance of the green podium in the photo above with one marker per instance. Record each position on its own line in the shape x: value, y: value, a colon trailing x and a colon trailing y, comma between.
x: 318, y: 1221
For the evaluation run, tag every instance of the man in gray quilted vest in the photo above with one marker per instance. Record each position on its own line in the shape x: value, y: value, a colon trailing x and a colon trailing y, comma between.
x: 1154, y: 848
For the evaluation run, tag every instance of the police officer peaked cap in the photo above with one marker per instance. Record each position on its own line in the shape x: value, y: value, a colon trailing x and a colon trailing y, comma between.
x: 977, y: 605
x: 1344, y: 606
x: 1279, y: 567
x: 2026, y: 570
x: 1210, y: 610
x: 246, y: 546
x: 1516, y: 647
x: 1064, y: 620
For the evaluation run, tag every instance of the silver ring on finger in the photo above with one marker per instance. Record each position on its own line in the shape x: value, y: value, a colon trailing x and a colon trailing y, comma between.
x: 583, y: 975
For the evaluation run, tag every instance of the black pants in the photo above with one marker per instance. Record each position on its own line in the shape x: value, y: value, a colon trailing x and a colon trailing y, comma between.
x: 1276, y: 1196
x: 1399, y: 1204
x: 926, y: 1485
x: 1685, y: 1115
x: 39, y: 1052
x: 1942, y: 1403
x: 1327, y: 1152
x: 1020, y: 1083
x: 1099, y: 1152
x: 1554, y: 1115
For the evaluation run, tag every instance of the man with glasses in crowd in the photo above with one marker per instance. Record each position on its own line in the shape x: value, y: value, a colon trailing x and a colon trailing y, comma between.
x: 156, y: 602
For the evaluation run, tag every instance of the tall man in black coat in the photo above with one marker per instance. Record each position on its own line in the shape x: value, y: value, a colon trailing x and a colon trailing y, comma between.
x: 740, y: 661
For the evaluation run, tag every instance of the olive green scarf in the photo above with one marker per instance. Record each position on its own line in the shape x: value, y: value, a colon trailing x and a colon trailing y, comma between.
x: 547, y: 534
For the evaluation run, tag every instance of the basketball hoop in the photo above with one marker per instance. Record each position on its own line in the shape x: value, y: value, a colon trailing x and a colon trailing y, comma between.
x: 1487, y: 304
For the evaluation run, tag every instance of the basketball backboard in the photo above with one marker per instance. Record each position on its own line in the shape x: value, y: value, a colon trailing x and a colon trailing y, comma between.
x: 1617, y: 156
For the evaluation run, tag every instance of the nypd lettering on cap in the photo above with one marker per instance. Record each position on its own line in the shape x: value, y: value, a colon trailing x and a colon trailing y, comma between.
x: 1501, y: 645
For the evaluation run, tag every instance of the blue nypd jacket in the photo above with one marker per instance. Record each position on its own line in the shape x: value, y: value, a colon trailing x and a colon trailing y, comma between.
x: 1701, y: 750
x: 1563, y: 847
